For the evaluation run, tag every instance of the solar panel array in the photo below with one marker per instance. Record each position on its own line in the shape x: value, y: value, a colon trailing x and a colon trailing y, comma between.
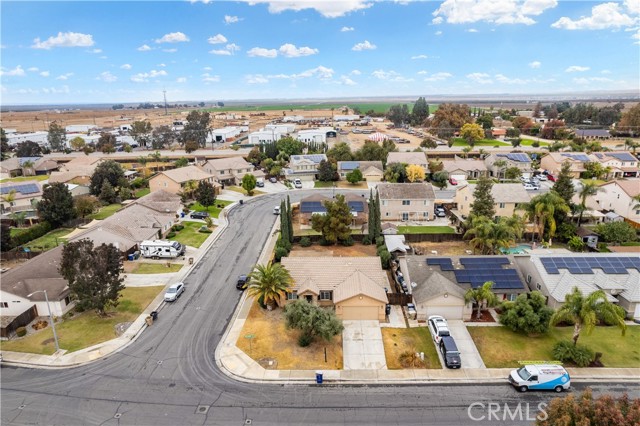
x: 356, y: 206
x: 622, y: 156
x: 577, y: 157
x: 27, y: 188
x: 519, y: 157
x: 350, y: 165
x: 444, y: 263
x: 478, y: 270
x: 312, y: 207
x: 316, y: 158
x: 586, y: 265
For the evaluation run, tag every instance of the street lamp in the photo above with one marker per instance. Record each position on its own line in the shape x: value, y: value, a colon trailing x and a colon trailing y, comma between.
x: 53, y: 326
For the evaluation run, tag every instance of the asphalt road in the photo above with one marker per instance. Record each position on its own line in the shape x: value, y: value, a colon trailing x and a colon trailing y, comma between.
x: 169, y: 377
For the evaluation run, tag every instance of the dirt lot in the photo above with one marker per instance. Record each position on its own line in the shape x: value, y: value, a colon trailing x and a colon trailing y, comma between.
x: 356, y: 250
x: 451, y: 248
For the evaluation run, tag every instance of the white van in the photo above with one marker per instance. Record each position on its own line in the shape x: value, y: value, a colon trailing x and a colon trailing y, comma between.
x: 540, y: 376
x: 276, y: 210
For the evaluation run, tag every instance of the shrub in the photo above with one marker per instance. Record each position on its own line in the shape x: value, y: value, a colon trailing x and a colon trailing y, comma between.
x: 366, y: 241
x: 385, y: 257
x: 348, y: 242
x: 280, y: 252
x: 205, y: 230
x: 535, y: 144
x: 576, y: 243
x: 171, y: 234
x: 410, y: 359
x: 304, y: 340
x: 30, y: 234
x: 305, y: 241
x: 178, y: 227
x: 21, y: 331
x: 380, y: 241
x: 324, y: 242
x: 579, y: 355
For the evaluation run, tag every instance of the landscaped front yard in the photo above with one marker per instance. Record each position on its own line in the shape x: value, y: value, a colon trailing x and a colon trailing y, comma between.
x: 341, y: 184
x: 214, y: 211
x: 155, y: 268
x: 481, y: 142
x: 500, y: 347
x: 271, y: 340
x: 399, y: 340
x: 425, y: 230
x: 191, y: 235
x: 241, y: 190
x: 86, y: 329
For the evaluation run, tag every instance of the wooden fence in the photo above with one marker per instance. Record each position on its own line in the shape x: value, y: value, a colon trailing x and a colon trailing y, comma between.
x: 399, y: 299
x: 21, y: 320
x: 434, y: 238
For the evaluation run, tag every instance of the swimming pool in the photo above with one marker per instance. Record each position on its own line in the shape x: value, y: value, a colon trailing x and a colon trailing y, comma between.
x: 519, y: 249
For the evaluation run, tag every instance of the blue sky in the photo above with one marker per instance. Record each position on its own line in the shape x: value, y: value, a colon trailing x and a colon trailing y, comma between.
x: 123, y: 51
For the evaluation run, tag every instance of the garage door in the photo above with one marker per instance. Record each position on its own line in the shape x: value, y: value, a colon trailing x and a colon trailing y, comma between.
x: 360, y: 313
x: 459, y: 177
x: 448, y: 312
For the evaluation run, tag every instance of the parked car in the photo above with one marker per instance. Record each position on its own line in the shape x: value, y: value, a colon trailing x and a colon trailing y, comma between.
x: 174, y: 292
x: 273, y: 179
x: 276, y: 210
x: 438, y: 327
x: 551, y: 178
x: 540, y: 376
x: 297, y: 183
x: 452, y: 181
x: 242, y: 280
x: 531, y: 187
x: 260, y: 183
x: 440, y: 212
x: 542, y: 178
x: 199, y: 215
x: 450, y: 352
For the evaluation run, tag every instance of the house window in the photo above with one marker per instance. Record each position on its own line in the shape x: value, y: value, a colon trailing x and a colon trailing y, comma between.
x: 405, y: 216
x: 386, y: 214
x: 292, y: 296
x: 425, y: 202
x: 406, y: 202
x: 67, y: 300
x: 425, y: 214
x: 384, y: 202
x: 326, y: 295
x: 165, y: 184
x: 538, y: 286
x: 510, y: 297
x: 4, y: 305
x: 501, y: 205
x: 528, y: 279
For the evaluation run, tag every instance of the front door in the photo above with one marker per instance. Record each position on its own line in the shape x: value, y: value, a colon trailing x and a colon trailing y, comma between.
x: 309, y: 298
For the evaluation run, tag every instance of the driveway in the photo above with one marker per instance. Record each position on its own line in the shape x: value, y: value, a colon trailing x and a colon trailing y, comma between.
x: 468, y: 351
x: 362, y: 347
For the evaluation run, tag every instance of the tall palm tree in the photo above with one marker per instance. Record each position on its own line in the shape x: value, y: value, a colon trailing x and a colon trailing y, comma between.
x: 269, y: 282
x: 588, y: 189
x: 516, y: 223
x: 10, y: 197
x: 500, y: 165
x: 585, y: 311
x: 489, y: 236
x: 541, y: 210
x: 156, y: 157
x: 27, y: 167
x: 481, y: 296
x: 466, y: 150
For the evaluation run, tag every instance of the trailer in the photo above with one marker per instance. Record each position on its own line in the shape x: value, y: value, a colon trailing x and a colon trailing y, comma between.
x: 164, y: 249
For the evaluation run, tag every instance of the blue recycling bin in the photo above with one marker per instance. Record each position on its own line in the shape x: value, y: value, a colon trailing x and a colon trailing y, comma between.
x: 181, y: 214
x: 319, y: 377
x: 130, y: 257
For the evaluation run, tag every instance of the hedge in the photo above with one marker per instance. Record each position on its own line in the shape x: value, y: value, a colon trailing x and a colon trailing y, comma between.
x: 30, y: 234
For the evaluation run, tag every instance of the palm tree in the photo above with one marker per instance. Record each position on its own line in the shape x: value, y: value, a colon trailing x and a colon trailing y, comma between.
x: 636, y: 200
x: 489, y: 236
x: 500, y: 164
x: 481, y: 296
x: 585, y: 311
x: 588, y: 189
x: 466, y: 150
x: 10, y: 197
x: 269, y: 282
x: 541, y: 210
x: 27, y: 167
x: 156, y: 157
x: 189, y: 188
x: 516, y: 223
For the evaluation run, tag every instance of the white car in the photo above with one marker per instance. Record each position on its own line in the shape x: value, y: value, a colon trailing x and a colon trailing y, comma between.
x: 531, y: 187
x: 174, y: 292
x: 276, y: 210
x: 297, y: 183
x: 541, y: 178
x: 438, y: 327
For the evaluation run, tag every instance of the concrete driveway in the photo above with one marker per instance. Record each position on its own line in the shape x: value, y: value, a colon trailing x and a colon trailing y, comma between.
x: 468, y: 351
x: 362, y: 347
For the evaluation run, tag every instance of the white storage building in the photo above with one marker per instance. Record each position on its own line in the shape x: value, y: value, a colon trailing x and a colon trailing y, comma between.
x: 221, y: 135
x: 282, y: 128
x: 38, y: 137
x: 312, y: 135
x: 80, y: 128
x: 264, y: 136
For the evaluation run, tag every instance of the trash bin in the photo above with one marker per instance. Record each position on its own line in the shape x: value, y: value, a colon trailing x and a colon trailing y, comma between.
x: 319, y: 377
x: 154, y: 315
x: 149, y: 320
x: 181, y: 214
x: 387, y: 310
x: 241, y: 202
x: 191, y: 261
x: 130, y: 257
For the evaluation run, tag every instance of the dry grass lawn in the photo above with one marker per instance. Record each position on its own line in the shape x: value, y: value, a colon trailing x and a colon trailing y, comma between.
x: 447, y: 248
x: 356, y: 250
x: 399, y: 340
x: 272, y: 340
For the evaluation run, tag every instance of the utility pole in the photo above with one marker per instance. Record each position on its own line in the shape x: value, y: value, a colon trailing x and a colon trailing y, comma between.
x: 164, y: 92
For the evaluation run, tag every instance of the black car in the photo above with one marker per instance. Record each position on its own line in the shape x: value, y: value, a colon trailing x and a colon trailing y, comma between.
x: 450, y: 352
x: 242, y: 280
x: 199, y: 215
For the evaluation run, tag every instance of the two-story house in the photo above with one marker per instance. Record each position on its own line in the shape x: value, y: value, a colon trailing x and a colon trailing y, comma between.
x: 304, y: 167
x: 230, y: 170
x: 507, y: 198
x: 621, y: 164
x: 497, y: 164
x: 314, y: 204
x: 618, y: 196
x: 406, y: 201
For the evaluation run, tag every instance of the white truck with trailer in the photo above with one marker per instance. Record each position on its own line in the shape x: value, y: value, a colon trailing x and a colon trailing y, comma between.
x: 164, y: 249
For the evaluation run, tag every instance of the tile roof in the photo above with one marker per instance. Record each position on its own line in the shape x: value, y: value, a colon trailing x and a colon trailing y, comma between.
x: 229, y: 163
x: 362, y: 165
x: 406, y: 191
x: 312, y: 158
x: 359, y: 284
x: 433, y: 286
x: 462, y: 164
x: 161, y: 201
x: 407, y: 157
x: 185, y: 174
x: 630, y: 186
x: 505, y: 192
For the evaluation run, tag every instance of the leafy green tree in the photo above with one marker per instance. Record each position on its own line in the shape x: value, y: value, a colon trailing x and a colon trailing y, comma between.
x: 162, y: 137
x: 486, y: 121
x: 630, y: 121
x: 5, y: 149
x: 472, y: 133
x: 529, y: 314
x: 588, y: 189
x: 512, y: 173
x: 616, y: 232
x: 85, y: 205
x: 28, y: 149
x: 354, y: 176
x: 439, y: 179
x: 327, y: 171
x: 420, y: 112
x: 483, y: 204
x: 448, y: 118
x: 371, y: 151
x: 5, y: 237
x: 285, y: 229
x: 542, y: 210
x: 181, y: 162
x: 398, y: 114
x: 107, y: 140
x: 396, y: 173
x: 290, y: 219
x: 488, y: 236
x: 340, y: 152
x: 93, y: 273
x: 249, y: 183
x: 197, y: 128
x: 77, y: 143
x: 56, y: 206
x: 428, y: 143
x: 513, y: 133
x: 335, y: 224
x: 585, y: 312
x: 269, y: 283
x: 563, y: 185
x: 141, y: 133
x: 108, y: 193
x: 290, y: 146
x: 312, y: 321
x: 110, y: 171
x: 205, y: 194
x: 56, y: 137
x: 482, y: 296
x: 255, y: 156
x: 576, y: 244
x: 190, y: 146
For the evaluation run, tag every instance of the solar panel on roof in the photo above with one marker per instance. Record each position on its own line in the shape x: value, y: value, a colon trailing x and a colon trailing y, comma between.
x: 350, y: 165
x: 623, y: 156
x: 356, y: 206
x: 586, y: 265
x: 28, y: 188
x: 312, y: 207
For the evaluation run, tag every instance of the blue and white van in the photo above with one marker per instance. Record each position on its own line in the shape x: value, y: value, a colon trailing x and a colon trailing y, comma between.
x: 540, y: 376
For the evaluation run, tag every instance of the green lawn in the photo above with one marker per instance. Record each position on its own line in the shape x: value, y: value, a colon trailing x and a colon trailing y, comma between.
x: 214, y: 211
x: 26, y: 178
x: 320, y: 184
x: 596, y: 181
x: 425, y: 230
x: 241, y: 190
x: 190, y: 236
x: 86, y: 329
x: 106, y: 211
x: 631, y: 244
x: 142, y: 192
x: 528, y: 142
x: 49, y: 241
x: 481, y: 142
x: 156, y: 268
x: 500, y: 347
x: 399, y: 340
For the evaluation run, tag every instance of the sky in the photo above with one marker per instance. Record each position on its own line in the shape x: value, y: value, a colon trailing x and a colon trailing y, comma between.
x: 125, y: 51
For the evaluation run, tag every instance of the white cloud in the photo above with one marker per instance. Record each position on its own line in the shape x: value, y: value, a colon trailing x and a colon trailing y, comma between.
x: 588, y: 80
x: 346, y: 29
x: 220, y: 52
x: 256, y: 79
x: 504, y: 79
x: 144, y: 48
x: 472, y: 30
x: 16, y: 72
x: 480, y: 78
x: 419, y: 57
x: 181, y: 80
x: 53, y: 90
x: 262, y: 52
x: 633, y: 6
x: 355, y: 72
x: 535, y: 64
x: 364, y: 46
x: 107, y: 77
x: 605, y: 72
x: 208, y: 78
x: 636, y: 36
x: 390, y: 76
x: 289, y: 50
x: 494, y: 11
x: 44, y: 73
x: 439, y: 76
x: 125, y: 66
x: 207, y: 68
x: 64, y: 76
x: 423, y: 72
x: 328, y: 9
x: 161, y: 65
x: 64, y: 40
x: 231, y: 19
x: 347, y: 81
x: 217, y: 39
x: 176, y: 37
x: 144, y: 77
x: 96, y: 51
x: 438, y: 33
x: 576, y: 68
x: 606, y: 15
x: 173, y: 50
x: 33, y: 69
x: 321, y: 72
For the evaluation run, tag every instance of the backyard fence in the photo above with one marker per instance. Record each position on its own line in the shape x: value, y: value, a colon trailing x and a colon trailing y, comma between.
x: 21, y: 320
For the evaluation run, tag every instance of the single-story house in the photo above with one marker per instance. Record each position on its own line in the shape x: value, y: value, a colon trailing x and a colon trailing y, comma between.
x: 354, y: 286
x: 462, y: 169
x: 406, y: 201
x: 372, y: 171
x: 174, y: 180
x: 497, y: 164
x: 314, y: 204
x: 417, y: 158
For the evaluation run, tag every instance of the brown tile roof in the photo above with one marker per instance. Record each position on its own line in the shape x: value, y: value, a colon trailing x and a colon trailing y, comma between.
x: 466, y: 165
x: 505, y: 192
x: 406, y: 191
x: 407, y: 157
x: 308, y: 286
x: 185, y: 174
x: 161, y: 201
x: 66, y: 176
x: 232, y: 163
x: 359, y: 284
x: 630, y: 186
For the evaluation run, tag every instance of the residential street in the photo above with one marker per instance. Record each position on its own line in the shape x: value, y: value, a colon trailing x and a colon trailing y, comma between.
x: 168, y: 376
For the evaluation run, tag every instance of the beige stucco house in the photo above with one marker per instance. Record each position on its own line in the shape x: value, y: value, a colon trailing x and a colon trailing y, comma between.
x: 304, y: 167
x: 230, y: 170
x: 354, y: 286
x: 19, y: 196
x: 507, y: 197
x: 408, y: 158
x: 372, y: 171
x: 406, y: 201
x: 617, y: 196
x: 497, y: 164
x: 174, y: 180
x: 621, y: 163
x: 462, y: 169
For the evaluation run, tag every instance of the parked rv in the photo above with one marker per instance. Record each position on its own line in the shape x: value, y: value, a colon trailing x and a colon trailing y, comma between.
x: 164, y: 249
x: 540, y: 376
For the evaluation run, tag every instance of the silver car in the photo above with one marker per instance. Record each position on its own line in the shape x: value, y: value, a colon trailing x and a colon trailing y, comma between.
x: 174, y: 292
